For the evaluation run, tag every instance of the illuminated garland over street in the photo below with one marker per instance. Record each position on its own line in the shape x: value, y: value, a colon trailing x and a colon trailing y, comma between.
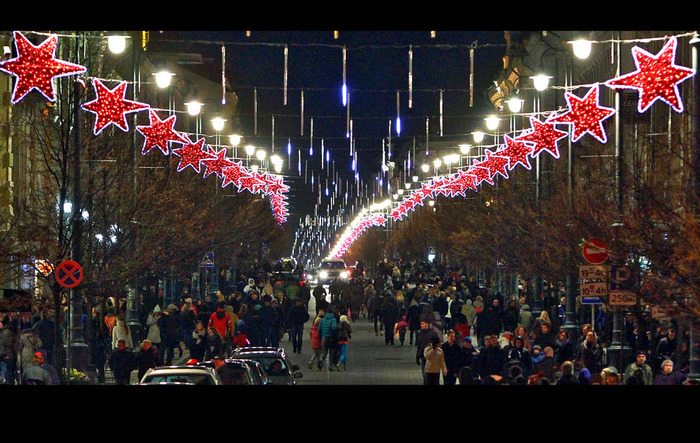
x: 36, y: 67
x: 657, y: 78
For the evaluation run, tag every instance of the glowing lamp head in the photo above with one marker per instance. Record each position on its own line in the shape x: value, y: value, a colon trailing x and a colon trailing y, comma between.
x: 540, y: 81
x: 218, y: 123
x: 249, y: 150
x: 235, y: 139
x: 194, y: 107
x: 582, y: 48
x: 163, y: 78
x: 116, y: 43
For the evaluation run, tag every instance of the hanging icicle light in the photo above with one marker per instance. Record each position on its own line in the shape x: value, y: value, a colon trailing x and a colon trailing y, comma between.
x: 223, y: 74
x: 344, y: 89
x: 311, y: 139
x: 410, y: 77
x: 286, y: 72
x: 398, y: 114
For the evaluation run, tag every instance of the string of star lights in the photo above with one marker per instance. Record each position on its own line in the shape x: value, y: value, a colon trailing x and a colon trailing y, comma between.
x: 656, y: 77
x: 36, y: 67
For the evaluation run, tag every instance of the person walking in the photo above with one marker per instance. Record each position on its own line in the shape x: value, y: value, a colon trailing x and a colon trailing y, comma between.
x: 122, y: 362
x: 169, y: 334
x: 434, y: 362
x: 327, y: 328
x: 424, y: 338
x: 296, y: 317
x: 147, y: 358
x: 343, y: 337
x: 316, y: 341
x: 9, y: 345
x: 455, y: 358
x: 122, y: 331
x: 198, y: 342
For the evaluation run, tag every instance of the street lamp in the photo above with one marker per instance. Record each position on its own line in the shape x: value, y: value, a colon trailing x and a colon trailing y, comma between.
x: 582, y: 48
x: 540, y: 81
x: 163, y: 78
x: 194, y: 107
x: 492, y: 122
x: 116, y: 43
x: 218, y: 123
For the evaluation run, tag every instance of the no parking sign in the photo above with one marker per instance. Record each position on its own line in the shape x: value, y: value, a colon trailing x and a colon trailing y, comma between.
x: 69, y: 274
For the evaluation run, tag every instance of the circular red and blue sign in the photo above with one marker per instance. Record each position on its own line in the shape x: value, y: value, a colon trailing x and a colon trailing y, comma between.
x: 69, y: 274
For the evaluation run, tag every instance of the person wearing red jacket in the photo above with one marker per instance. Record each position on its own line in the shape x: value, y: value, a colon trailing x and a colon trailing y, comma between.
x: 221, y: 321
x: 316, y: 341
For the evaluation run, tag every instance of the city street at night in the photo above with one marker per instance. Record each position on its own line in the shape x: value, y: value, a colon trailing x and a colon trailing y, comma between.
x: 259, y: 207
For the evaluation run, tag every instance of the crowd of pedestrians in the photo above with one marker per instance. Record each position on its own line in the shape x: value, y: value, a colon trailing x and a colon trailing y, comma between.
x: 463, y: 331
x: 466, y: 333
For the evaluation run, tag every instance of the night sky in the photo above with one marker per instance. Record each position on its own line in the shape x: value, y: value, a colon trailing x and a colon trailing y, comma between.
x: 377, y: 67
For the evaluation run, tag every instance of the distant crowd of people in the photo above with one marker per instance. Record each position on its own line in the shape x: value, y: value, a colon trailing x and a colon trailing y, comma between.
x: 466, y: 333
x: 463, y: 331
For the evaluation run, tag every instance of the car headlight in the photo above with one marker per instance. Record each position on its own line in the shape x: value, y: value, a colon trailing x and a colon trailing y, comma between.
x: 323, y: 274
x: 344, y: 274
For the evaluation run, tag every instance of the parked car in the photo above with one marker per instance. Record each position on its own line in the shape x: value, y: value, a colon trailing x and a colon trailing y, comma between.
x: 181, y: 375
x: 278, y: 367
x: 332, y: 270
x: 240, y: 372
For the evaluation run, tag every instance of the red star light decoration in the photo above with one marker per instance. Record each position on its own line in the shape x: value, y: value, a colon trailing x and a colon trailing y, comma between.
x: 216, y: 163
x: 192, y: 154
x: 159, y: 134
x: 586, y: 115
x: 657, y: 77
x: 234, y: 174
x: 111, y: 106
x: 482, y: 174
x: 544, y: 135
x: 494, y: 163
x: 36, y: 67
x: 516, y: 151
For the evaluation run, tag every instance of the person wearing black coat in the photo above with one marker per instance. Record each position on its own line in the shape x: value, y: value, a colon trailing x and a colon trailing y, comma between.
x: 296, y: 317
x: 147, y: 357
x: 455, y: 358
x: 122, y: 361
x: 487, y: 323
x: 413, y: 318
x: 491, y: 359
x: 390, y: 316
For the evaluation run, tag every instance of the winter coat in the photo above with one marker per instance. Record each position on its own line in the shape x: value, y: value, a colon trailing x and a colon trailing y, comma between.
x: 315, y: 335
x: 469, y: 311
x: 169, y: 329
x: 297, y: 316
x: 455, y: 357
x: 147, y: 359
x: 122, y: 362
x: 121, y: 331
x: 9, y: 344
x: 434, y: 360
x: 29, y: 344
x: 327, y: 325
x: 525, y: 317
x: 672, y: 378
x: 413, y: 316
x: 344, y: 332
x: 490, y: 361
